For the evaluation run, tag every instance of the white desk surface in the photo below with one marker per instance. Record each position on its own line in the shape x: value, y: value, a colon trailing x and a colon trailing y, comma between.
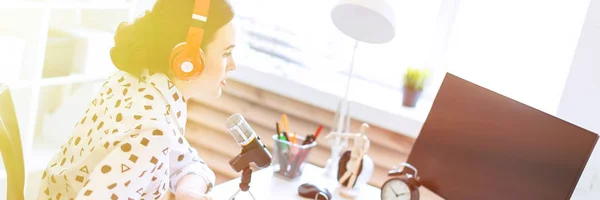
x: 265, y: 185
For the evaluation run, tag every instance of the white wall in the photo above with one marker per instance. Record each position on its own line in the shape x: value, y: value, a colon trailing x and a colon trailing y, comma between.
x: 521, y: 49
x: 580, y: 103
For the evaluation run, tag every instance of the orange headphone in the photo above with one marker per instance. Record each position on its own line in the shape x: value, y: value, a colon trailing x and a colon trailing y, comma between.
x: 187, y: 59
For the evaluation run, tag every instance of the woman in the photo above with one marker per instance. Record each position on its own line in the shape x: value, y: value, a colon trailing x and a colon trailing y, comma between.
x: 130, y: 143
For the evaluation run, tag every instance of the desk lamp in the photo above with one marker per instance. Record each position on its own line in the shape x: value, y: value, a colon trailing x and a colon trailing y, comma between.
x: 369, y: 21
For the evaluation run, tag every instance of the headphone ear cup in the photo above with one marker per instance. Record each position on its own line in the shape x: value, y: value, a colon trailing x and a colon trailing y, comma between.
x: 175, y: 59
x: 183, y: 66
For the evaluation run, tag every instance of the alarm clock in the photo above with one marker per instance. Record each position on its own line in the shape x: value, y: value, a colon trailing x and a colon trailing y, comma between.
x: 401, y: 185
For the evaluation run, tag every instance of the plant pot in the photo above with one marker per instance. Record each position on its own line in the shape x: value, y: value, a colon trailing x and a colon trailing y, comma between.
x: 411, y: 97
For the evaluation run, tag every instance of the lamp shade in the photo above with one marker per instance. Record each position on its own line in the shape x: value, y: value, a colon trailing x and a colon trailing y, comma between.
x: 370, y: 21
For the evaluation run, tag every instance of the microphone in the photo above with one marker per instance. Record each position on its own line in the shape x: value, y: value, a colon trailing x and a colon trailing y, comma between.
x: 254, y: 152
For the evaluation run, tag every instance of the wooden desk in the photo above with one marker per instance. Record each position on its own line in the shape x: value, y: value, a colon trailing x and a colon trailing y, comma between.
x: 265, y: 185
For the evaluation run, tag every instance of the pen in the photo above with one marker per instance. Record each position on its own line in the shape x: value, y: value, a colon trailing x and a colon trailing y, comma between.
x: 318, y: 131
x: 285, y: 136
x: 287, y: 153
x: 283, y: 150
x: 294, y: 152
x: 293, y: 142
x: 293, y: 138
x: 278, y: 130
x: 311, y: 138
x: 286, y: 125
x: 283, y: 160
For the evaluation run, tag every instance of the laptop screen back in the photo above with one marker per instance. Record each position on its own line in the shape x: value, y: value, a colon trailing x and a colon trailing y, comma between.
x: 477, y: 144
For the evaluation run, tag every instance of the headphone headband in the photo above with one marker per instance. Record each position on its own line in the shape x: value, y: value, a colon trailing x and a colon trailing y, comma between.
x: 196, y: 31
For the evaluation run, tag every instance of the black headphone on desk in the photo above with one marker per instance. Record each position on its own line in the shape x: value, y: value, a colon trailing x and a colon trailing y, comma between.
x: 187, y: 59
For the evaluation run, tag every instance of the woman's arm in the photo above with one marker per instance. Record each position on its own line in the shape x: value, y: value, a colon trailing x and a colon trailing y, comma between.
x: 128, y: 168
x: 191, y: 186
x: 188, y: 172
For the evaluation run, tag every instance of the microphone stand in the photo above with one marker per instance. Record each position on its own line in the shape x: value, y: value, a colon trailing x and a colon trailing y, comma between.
x: 254, y: 153
x: 244, y: 183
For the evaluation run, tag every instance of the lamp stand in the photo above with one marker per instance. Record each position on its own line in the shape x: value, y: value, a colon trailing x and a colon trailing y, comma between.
x: 343, y: 120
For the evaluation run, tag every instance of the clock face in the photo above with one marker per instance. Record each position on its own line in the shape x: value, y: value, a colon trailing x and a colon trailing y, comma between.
x: 395, y: 189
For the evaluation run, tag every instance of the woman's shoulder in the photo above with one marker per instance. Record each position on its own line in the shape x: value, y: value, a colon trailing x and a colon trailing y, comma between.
x: 130, y: 89
x: 130, y: 99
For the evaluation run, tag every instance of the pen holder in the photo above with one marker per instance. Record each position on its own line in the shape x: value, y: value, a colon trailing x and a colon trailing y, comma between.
x: 288, y: 158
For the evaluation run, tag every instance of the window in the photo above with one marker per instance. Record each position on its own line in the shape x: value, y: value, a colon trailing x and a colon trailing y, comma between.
x: 385, y: 64
x: 521, y: 49
x: 297, y: 40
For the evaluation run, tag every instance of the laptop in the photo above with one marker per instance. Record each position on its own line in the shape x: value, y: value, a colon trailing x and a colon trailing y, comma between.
x: 477, y: 144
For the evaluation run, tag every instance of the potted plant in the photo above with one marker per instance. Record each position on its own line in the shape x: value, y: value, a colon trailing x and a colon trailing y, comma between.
x: 414, y: 81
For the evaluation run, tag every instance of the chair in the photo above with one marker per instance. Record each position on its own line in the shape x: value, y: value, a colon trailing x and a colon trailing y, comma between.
x: 10, y: 146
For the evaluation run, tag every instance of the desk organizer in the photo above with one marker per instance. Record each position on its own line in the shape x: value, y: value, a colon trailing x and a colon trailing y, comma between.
x: 288, y: 158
